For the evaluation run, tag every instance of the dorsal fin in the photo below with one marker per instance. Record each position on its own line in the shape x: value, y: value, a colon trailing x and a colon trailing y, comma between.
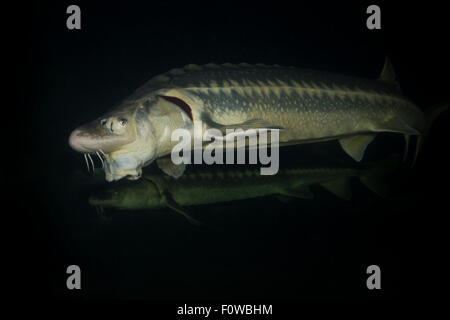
x: 388, y: 73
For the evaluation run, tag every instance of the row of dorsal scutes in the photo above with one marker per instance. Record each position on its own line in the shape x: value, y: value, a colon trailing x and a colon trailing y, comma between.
x: 261, y: 87
x: 195, y: 67
x: 164, y: 78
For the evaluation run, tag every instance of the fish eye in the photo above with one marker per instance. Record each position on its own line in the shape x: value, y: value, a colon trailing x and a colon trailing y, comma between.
x: 103, y: 122
x: 123, y: 122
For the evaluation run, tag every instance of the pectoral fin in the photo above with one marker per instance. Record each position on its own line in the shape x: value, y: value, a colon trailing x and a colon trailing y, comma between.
x: 340, y: 188
x: 168, y: 167
x: 249, y: 124
x: 355, y: 146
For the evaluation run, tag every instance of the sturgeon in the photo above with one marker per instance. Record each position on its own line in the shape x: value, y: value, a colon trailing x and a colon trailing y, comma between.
x: 208, y: 186
x: 309, y: 106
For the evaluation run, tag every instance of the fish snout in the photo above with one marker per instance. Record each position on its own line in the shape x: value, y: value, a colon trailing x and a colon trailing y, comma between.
x: 86, y: 140
x: 78, y: 141
x: 98, y: 135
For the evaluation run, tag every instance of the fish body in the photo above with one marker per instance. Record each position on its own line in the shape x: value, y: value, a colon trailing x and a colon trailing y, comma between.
x: 218, y: 185
x: 309, y: 106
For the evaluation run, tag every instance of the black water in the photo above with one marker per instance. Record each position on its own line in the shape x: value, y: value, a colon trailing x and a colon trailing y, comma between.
x: 259, y: 248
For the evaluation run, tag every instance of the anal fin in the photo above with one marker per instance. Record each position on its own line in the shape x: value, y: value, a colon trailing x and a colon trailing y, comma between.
x: 355, y: 146
x: 374, y: 177
x: 340, y: 188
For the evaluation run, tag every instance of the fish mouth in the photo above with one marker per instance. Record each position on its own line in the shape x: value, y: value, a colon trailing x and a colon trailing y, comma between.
x: 115, y: 176
x: 115, y: 167
x: 101, y: 155
x: 133, y: 176
x: 97, y: 139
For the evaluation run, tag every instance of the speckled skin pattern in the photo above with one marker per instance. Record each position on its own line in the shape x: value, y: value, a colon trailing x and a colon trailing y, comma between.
x: 310, y: 105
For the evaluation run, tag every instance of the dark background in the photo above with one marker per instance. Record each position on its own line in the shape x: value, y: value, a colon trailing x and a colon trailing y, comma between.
x: 254, y: 249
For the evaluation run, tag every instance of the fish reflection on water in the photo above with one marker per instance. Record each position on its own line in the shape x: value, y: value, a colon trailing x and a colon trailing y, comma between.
x: 223, y: 184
